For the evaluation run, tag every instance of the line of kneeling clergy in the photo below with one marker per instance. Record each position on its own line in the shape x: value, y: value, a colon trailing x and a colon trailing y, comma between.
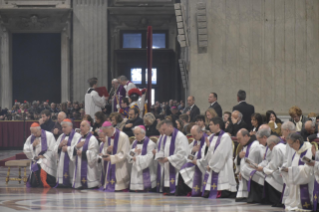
x: 270, y: 170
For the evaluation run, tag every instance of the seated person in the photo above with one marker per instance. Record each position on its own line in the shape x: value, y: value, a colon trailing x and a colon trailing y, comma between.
x: 134, y: 120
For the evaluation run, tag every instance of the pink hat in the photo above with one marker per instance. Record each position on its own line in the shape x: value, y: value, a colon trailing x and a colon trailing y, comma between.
x: 107, y: 124
x: 142, y: 127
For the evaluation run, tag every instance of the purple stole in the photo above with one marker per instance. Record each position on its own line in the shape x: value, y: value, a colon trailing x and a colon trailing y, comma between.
x: 103, y: 172
x: 66, y: 162
x: 315, y: 193
x: 214, y: 181
x: 146, y: 172
x: 44, y: 148
x: 120, y: 93
x: 253, y: 172
x: 304, y: 191
x: 84, y: 163
x: 110, y: 174
x: 197, y: 181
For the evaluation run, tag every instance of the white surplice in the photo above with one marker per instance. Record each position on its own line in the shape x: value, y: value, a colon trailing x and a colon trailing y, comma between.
x: 142, y: 162
x: 60, y: 157
x: 177, y: 160
x: 49, y: 163
x: 273, y: 176
x: 287, y: 163
x: 119, y: 159
x: 296, y: 176
x: 128, y: 87
x: 245, y: 170
x: 316, y: 169
x: 93, y: 103
x: 221, y: 162
x: 92, y: 167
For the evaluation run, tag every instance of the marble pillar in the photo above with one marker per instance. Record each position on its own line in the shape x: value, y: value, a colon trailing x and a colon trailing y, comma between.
x: 65, y: 66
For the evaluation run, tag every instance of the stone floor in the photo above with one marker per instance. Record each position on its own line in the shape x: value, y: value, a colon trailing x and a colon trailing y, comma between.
x: 16, y: 197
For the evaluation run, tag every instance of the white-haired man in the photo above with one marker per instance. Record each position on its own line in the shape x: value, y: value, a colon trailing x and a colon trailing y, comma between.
x: 115, y: 166
x: 174, y: 147
x: 143, y: 172
x: 128, y: 85
x: 85, y: 175
x: 236, y: 124
x: 119, y: 94
x: 57, y: 129
x: 39, y: 147
x: 65, y: 154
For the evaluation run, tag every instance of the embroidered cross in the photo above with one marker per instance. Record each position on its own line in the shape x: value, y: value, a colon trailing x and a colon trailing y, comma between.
x: 214, y: 186
x: 205, y: 182
x: 306, y: 205
x: 315, y: 197
x: 66, y: 175
x: 112, y: 181
x: 172, y: 181
x: 83, y: 180
x: 196, y: 188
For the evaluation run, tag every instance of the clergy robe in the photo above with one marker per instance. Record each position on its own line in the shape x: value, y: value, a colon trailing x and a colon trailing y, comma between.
x: 143, y: 172
x: 93, y: 102
x: 129, y: 85
x: 300, y: 179
x: 273, y: 181
x: 175, y: 148
x: 192, y: 175
x: 118, y: 96
x: 254, y: 155
x: 66, y: 159
x: 86, y: 169
x: 220, y: 162
x: 47, y: 164
x: 316, y: 183
x: 118, y: 166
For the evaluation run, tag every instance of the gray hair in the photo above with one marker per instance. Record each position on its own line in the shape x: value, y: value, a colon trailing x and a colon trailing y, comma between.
x: 141, y: 129
x: 198, y: 129
x: 36, y: 128
x: 149, y: 117
x: 244, y: 132
x: 273, y: 139
x: 294, y: 137
x: 122, y: 78
x: 288, y: 125
x: 67, y: 123
x: 264, y: 132
x: 115, y: 80
x: 240, y: 115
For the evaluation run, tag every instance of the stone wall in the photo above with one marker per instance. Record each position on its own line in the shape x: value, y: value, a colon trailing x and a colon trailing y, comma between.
x: 270, y: 48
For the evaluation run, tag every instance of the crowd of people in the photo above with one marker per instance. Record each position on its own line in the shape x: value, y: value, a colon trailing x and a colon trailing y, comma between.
x: 176, y: 150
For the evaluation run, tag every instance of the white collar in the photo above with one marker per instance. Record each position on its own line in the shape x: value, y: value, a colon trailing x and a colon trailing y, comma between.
x: 213, y: 103
x: 241, y: 101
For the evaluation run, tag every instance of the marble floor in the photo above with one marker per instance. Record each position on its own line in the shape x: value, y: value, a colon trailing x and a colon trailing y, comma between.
x: 16, y: 197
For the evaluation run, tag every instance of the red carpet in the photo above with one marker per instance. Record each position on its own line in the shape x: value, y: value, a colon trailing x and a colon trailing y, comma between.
x: 20, y: 156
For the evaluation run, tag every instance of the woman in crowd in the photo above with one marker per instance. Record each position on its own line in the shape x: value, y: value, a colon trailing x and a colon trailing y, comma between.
x: 150, y: 124
x: 273, y: 122
x: 226, y: 117
x: 209, y: 114
x: 180, y: 125
x: 117, y: 120
x: 256, y: 122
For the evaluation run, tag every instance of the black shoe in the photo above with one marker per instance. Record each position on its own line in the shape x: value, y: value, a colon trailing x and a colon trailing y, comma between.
x: 241, y: 199
x: 278, y: 205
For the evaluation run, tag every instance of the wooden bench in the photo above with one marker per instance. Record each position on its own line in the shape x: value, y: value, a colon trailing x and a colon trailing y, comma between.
x: 20, y: 164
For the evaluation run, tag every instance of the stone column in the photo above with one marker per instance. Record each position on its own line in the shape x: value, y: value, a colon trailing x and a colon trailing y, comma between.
x: 6, y: 71
x: 65, y: 66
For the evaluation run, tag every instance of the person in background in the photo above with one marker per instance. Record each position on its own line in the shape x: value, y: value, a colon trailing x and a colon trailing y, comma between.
x: 192, y: 110
x: 256, y: 121
x: 226, y: 116
x: 212, y: 100
x: 118, y: 121
x: 57, y: 130
x: 150, y: 124
x: 134, y: 120
x: 209, y: 114
x: 273, y: 122
x: 200, y: 121
x: 297, y: 118
x: 245, y: 109
x: 185, y: 120
x: 179, y: 125
x: 48, y: 124
x: 100, y: 118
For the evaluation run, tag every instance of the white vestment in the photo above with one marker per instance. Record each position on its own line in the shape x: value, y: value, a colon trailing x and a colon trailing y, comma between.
x: 273, y: 176
x: 60, y: 157
x: 221, y: 162
x: 245, y: 169
x: 128, y: 87
x: 298, y: 175
x: 142, y: 162
x: 316, y: 169
x: 119, y: 159
x: 49, y: 163
x: 92, y: 173
x: 93, y: 103
x: 177, y: 160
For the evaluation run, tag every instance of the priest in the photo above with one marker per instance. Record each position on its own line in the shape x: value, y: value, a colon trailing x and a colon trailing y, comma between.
x: 128, y: 85
x: 39, y: 147
x: 250, y: 185
x: 119, y: 94
x: 143, y: 172
x: 298, y: 176
x: 218, y: 163
x: 116, y: 170
x: 174, y: 148
x: 64, y: 149
x: 190, y: 176
x: 86, y: 149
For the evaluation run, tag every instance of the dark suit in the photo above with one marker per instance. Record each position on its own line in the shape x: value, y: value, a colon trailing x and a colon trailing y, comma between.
x: 193, y: 113
x: 234, y: 128
x: 247, y: 110
x: 216, y: 106
x: 135, y: 122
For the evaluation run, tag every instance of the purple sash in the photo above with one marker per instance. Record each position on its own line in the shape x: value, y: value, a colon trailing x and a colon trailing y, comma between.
x: 315, y: 193
x: 304, y: 191
x: 214, y: 180
x: 197, y: 181
x: 120, y: 93
x: 110, y: 174
x: 84, y: 163
x: 66, y: 163
x: 146, y: 172
x: 159, y: 174
x: 103, y: 170
x: 253, y: 172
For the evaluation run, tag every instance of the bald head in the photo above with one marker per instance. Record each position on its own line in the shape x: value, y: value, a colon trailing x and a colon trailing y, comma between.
x: 196, y: 132
x: 236, y: 116
x: 310, y: 127
x: 243, y: 136
x: 263, y: 134
x: 61, y: 117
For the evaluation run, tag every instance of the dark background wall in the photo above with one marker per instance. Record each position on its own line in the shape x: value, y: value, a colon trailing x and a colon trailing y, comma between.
x: 36, y: 66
